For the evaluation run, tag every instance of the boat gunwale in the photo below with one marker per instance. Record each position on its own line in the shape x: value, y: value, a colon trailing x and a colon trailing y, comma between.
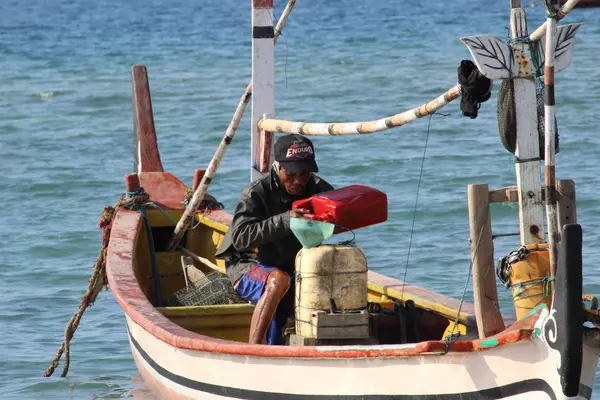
x: 127, y: 292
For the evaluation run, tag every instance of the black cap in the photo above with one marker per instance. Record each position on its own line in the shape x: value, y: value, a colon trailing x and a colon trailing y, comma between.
x: 295, y: 153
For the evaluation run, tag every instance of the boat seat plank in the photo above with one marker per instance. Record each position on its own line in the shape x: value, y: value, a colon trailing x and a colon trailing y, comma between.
x: 223, y: 321
x: 201, y: 311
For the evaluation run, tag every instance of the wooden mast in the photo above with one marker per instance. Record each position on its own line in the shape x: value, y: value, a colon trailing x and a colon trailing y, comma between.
x: 520, y: 61
x: 498, y: 60
x: 527, y: 164
x: 263, y: 83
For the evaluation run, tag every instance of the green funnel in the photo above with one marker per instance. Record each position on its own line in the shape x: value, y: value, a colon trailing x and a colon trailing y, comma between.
x: 311, y: 233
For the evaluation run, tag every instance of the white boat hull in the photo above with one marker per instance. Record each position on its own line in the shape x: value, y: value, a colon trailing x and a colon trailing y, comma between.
x: 522, y: 370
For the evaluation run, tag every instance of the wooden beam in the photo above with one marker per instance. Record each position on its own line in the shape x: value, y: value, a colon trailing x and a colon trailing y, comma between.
x: 567, y: 209
x: 203, y: 260
x: 509, y: 194
x: 527, y: 165
x: 565, y: 188
x: 340, y: 326
x: 485, y: 294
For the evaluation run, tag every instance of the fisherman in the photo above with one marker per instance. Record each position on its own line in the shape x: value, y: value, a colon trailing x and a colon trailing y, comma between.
x: 259, y: 248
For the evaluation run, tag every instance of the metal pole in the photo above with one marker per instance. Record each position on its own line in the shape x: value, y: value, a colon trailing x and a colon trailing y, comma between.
x: 200, y: 192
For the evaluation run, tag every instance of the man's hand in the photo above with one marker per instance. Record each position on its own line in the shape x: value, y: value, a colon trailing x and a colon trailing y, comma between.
x: 299, y: 212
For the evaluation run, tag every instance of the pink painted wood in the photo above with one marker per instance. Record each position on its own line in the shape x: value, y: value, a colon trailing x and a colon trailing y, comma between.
x: 147, y: 155
x: 164, y: 189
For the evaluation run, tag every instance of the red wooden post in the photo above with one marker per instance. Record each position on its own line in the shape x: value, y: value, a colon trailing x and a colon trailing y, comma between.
x: 132, y: 182
x: 145, y: 154
x: 198, y: 175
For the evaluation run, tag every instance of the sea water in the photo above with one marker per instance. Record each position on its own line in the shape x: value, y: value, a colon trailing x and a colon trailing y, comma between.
x: 66, y: 143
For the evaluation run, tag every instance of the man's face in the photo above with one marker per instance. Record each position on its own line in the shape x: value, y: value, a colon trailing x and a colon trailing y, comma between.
x: 294, y: 184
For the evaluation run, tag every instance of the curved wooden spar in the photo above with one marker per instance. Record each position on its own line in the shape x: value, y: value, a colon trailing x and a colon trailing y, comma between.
x: 564, y: 10
x: 202, y: 189
x: 364, y: 127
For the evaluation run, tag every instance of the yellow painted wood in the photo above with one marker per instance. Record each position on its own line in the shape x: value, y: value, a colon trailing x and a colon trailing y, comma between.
x: 213, y: 322
x: 224, y: 321
x: 170, y: 284
x: 168, y: 262
x: 201, y: 241
x: 212, y: 224
x: 537, y: 246
x: 383, y: 300
x: 142, y: 263
x: 159, y: 217
x: 220, y: 309
x: 439, y: 308
x: 459, y: 330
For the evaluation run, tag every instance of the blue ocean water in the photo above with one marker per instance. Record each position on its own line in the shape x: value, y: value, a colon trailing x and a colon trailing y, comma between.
x: 65, y: 145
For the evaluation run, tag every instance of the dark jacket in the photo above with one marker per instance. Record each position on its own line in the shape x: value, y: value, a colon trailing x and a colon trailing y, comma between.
x: 261, y: 221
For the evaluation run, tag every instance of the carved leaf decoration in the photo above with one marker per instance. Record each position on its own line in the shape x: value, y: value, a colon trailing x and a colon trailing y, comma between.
x: 563, y: 50
x: 492, y: 56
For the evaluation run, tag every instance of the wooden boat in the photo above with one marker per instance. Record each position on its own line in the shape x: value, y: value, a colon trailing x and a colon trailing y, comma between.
x: 201, y: 352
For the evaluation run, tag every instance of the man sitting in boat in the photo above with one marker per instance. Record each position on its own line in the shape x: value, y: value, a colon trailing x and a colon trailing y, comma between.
x: 262, y: 221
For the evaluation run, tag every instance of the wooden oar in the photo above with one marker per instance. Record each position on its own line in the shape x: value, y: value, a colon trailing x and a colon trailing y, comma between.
x: 203, y: 260
x: 202, y: 189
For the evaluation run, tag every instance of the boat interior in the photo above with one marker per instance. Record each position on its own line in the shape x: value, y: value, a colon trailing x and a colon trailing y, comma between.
x: 420, y: 317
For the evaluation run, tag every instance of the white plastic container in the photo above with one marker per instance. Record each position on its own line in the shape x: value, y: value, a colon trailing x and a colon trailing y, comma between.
x: 328, y: 272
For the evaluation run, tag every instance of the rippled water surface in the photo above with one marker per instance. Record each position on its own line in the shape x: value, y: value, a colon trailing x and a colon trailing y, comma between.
x: 65, y: 145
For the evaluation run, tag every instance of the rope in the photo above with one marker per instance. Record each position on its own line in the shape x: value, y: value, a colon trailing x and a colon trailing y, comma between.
x: 536, y: 58
x: 551, y: 11
x: 522, y: 286
x: 518, y: 39
x: 526, y: 160
x: 412, y: 228
x: 96, y: 283
x: 349, y: 242
x: 185, y: 202
x: 533, y: 50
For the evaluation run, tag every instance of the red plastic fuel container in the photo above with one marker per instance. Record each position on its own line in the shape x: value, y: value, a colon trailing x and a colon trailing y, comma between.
x: 349, y: 208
